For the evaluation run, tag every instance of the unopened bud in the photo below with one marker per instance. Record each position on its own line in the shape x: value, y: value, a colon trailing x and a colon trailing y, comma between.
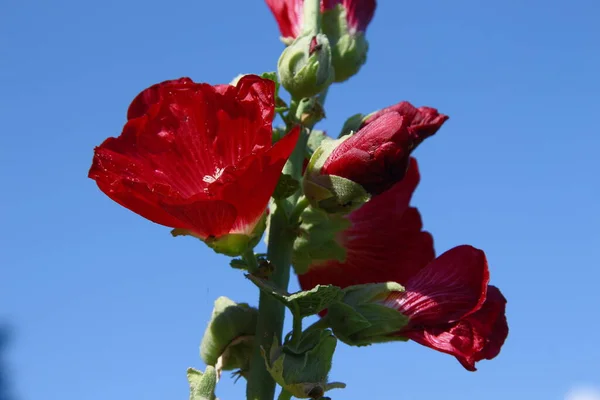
x: 305, y: 67
x: 228, y: 339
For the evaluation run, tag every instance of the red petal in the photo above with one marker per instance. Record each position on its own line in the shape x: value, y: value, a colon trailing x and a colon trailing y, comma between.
x: 181, y: 138
x: 476, y: 337
x: 359, y: 13
x: 451, y: 287
x: 252, y: 183
x: 385, y: 242
x: 216, y: 217
x: 288, y: 14
x: 376, y: 156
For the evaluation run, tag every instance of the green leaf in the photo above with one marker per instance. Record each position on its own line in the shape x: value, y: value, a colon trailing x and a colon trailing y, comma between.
x: 317, y: 240
x: 202, y: 385
x: 238, y: 264
x: 305, y: 303
x: 286, y: 186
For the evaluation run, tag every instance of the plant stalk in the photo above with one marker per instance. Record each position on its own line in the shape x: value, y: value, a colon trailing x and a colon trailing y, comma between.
x: 271, y: 312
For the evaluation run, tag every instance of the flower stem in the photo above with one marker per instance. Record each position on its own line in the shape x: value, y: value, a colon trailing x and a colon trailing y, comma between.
x: 271, y: 312
x: 298, y: 209
x: 311, y: 20
x: 251, y: 261
x: 297, y: 331
x: 284, y: 395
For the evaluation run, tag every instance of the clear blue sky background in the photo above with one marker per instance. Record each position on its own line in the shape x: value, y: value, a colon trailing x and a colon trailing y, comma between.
x: 106, y: 305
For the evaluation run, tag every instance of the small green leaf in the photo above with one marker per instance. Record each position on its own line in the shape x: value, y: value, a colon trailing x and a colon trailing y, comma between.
x: 202, y: 385
x: 305, y: 303
x: 286, y: 187
x: 238, y: 264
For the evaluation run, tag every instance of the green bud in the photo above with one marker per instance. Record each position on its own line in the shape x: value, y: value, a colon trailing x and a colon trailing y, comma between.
x: 305, y: 67
x: 310, y: 111
x: 349, y: 48
x: 362, y: 318
x: 303, y: 369
x: 331, y: 193
x: 228, y: 339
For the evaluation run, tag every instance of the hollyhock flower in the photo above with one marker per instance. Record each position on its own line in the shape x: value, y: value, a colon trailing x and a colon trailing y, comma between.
x: 384, y: 231
x: 446, y: 302
x: 452, y: 309
x: 289, y: 14
x: 377, y: 155
x: 197, y: 158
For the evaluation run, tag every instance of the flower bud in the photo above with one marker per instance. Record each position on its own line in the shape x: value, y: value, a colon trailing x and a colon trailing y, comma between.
x: 374, y: 151
x: 228, y: 339
x: 348, y: 43
x: 362, y: 317
x: 305, y: 67
x: 302, y: 370
x: 331, y: 193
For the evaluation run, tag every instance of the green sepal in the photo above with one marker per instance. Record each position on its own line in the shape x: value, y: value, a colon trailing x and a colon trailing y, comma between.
x: 202, y: 385
x: 362, y: 318
x: 233, y: 244
x: 227, y: 341
x: 303, y: 370
x: 333, y: 194
x: 304, y: 303
x: 304, y: 74
x: 286, y: 186
x: 348, y: 49
x: 315, y: 139
x: 317, y: 240
x: 352, y: 125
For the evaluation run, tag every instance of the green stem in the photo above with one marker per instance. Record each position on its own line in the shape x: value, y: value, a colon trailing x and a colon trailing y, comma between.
x: 298, y: 210
x: 296, y: 331
x: 312, y: 16
x: 284, y: 395
x: 271, y: 312
x: 251, y: 261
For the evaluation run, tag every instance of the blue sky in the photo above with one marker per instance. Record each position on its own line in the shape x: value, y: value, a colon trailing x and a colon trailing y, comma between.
x: 106, y: 305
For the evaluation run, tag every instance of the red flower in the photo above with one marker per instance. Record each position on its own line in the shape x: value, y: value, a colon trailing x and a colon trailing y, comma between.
x: 452, y: 309
x: 289, y: 14
x: 448, y: 301
x: 377, y: 155
x: 384, y: 243
x: 196, y: 157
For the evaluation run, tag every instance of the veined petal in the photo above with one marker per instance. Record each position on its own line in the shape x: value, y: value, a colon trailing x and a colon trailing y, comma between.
x: 451, y: 287
x: 477, y: 337
x: 183, y: 148
x: 384, y: 243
